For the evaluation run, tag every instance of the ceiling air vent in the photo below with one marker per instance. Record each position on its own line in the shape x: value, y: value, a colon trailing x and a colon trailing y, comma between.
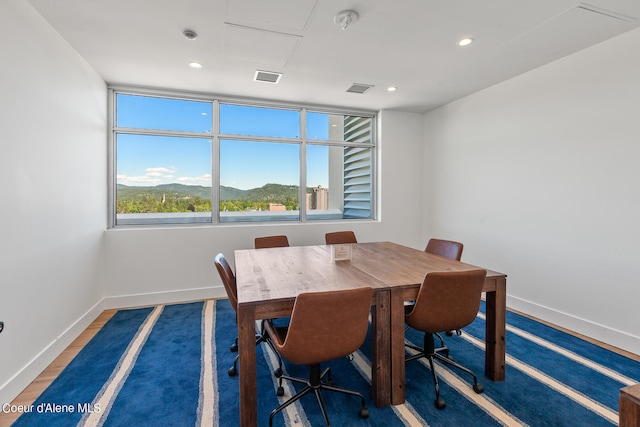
x: 267, y: 76
x: 359, y: 88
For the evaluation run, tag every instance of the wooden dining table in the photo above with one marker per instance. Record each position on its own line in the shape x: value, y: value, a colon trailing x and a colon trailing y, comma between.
x: 269, y: 280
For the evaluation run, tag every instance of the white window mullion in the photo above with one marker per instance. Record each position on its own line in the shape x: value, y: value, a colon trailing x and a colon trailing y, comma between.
x: 303, y: 166
x: 215, y: 164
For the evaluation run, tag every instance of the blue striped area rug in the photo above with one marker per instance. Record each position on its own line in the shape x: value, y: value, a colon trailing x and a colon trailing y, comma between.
x: 167, y: 366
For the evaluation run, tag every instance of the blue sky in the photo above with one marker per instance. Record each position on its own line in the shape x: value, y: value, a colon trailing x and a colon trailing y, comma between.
x: 151, y: 160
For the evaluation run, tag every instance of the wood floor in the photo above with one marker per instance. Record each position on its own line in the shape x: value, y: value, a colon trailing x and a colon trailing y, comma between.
x: 35, y: 389
x: 31, y: 393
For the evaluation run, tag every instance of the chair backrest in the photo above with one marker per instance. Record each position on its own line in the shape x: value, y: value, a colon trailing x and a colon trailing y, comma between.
x: 340, y: 237
x: 271, y: 242
x: 228, y: 279
x: 327, y: 325
x: 446, y: 248
x: 447, y: 301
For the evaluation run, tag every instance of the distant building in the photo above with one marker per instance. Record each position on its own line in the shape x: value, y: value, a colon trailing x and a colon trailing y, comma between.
x: 319, y: 199
x: 277, y: 207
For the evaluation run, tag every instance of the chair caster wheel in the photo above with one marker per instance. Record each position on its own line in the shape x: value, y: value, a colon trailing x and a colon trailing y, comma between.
x: 234, y: 347
x: 280, y: 391
x: 232, y: 372
x: 440, y: 403
x: 278, y: 372
x: 364, y: 412
x: 478, y: 388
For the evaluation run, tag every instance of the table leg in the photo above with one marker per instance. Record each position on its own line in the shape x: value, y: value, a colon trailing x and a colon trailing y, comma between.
x: 397, y: 349
x: 247, y: 367
x: 496, y: 302
x: 380, y: 350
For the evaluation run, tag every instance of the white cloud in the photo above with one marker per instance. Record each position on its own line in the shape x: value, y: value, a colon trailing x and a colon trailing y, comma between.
x: 160, y: 170
x: 161, y: 175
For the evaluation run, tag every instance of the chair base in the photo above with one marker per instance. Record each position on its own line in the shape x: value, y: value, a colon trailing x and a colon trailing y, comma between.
x: 441, y: 349
x: 315, y: 384
x: 432, y: 354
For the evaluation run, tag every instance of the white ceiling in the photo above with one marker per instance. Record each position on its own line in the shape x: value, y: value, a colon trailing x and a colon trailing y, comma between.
x: 410, y: 44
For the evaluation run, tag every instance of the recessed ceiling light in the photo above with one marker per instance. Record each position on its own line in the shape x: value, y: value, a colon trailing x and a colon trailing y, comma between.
x: 189, y: 34
x: 465, y: 42
x: 195, y: 65
x: 392, y: 88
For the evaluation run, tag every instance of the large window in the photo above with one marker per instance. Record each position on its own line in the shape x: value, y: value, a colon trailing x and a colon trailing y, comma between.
x: 183, y: 160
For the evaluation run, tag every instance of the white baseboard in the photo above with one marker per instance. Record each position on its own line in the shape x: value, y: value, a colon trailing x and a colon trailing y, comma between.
x: 169, y: 297
x: 613, y: 337
x: 16, y: 384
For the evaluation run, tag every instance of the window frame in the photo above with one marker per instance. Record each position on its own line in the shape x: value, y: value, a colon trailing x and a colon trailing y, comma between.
x: 215, y: 136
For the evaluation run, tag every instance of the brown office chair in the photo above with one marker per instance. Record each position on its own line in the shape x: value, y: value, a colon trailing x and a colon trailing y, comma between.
x: 229, y: 281
x: 340, y: 237
x: 446, y: 301
x: 446, y: 248
x: 271, y: 242
x: 324, y: 326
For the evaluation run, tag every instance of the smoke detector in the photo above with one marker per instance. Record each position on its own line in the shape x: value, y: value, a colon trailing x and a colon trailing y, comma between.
x: 346, y: 18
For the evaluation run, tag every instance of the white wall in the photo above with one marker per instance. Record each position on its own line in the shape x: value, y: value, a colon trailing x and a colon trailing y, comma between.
x: 158, y: 265
x: 59, y: 268
x: 53, y: 175
x: 539, y: 176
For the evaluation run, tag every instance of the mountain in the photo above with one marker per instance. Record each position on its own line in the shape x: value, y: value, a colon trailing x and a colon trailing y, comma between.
x: 125, y: 192
x: 270, y: 192
x: 230, y: 193
x: 267, y: 192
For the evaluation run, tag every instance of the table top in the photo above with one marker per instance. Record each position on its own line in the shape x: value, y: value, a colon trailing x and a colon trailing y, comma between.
x: 398, y: 265
x: 283, y: 273
x: 268, y: 274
